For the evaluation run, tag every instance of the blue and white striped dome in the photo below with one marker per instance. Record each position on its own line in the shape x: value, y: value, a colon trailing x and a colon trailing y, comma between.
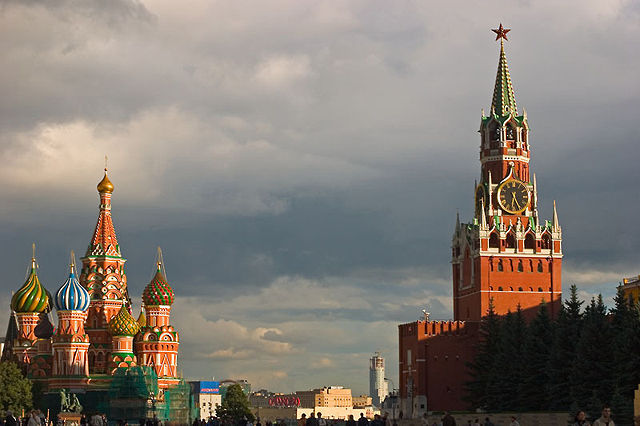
x: 72, y: 296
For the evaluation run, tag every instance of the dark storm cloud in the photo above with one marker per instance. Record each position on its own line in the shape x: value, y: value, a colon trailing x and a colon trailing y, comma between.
x: 301, y: 163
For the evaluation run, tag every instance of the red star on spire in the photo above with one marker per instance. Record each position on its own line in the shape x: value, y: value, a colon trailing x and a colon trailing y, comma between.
x: 501, y: 32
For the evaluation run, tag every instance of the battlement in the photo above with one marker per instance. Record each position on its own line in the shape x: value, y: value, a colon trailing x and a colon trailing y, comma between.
x: 425, y: 329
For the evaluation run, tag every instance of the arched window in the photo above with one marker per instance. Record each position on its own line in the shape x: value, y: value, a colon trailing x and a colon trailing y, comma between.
x: 520, y: 268
x: 499, y: 288
x: 540, y: 289
x: 511, y: 132
x: 494, y: 135
x: 510, y: 288
x: 511, y: 240
x: 500, y: 267
x: 539, y: 266
x: 530, y: 288
x: 494, y: 241
x: 529, y: 241
x: 519, y: 288
x: 546, y: 241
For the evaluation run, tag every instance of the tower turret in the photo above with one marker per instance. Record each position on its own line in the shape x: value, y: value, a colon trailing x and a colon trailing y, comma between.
x: 157, y: 343
x: 71, y: 342
x: 30, y: 304
x: 103, y: 275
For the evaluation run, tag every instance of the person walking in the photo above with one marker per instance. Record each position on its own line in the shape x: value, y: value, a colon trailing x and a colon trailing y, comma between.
x: 351, y: 421
x: 605, y: 418
x: 363, y: 421
x: 581, y: 419
x: 312, y: 421
x: 320, y: 420
x: 302, y: 421
x: 514, y: 421
x: 448, y: 419
x: 10, y: 419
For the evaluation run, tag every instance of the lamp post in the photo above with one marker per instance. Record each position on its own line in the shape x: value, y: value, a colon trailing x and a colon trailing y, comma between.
x: 393, y: 404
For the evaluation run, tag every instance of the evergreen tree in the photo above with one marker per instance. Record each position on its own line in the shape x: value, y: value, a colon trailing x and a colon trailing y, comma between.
x: 235, y: 406
x: 560, y: 378
x: 537, y: 349
x: 481, y: 369
x: 593, y: 369
x: 625, y: 326
x: 15, y: 394
x: 509, y: 361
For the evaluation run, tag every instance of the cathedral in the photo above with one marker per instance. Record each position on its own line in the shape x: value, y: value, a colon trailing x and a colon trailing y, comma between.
x: 98, y: 350
x: 507, y: 256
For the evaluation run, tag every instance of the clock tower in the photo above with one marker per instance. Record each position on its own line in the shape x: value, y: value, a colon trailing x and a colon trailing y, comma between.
x: 507, y: 254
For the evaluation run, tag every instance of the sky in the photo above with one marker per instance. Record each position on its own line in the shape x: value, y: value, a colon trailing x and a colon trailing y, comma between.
x: 301, y: 162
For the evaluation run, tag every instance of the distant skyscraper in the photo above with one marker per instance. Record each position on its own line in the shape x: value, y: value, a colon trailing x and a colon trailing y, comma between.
x: 378, y: 388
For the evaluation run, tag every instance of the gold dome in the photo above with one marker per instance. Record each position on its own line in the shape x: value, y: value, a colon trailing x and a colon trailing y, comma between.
x: 105, y: 184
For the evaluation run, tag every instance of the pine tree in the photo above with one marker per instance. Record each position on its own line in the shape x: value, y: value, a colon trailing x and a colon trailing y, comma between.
x: 560, y: 379
x: 481, y: 369
x: 625, y: 326
x: 235, y: 406
x: 593, y: 368
x: 16, y: 389
x: 509, y: 361
x: 537, y: 350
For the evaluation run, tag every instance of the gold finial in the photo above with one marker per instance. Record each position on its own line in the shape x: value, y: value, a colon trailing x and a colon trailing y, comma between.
x: 33, y: 255
x: 72, y: 261
x: 105, y: 185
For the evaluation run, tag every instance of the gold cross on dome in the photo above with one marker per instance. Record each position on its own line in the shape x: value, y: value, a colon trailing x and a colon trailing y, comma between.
x: 501, y: 32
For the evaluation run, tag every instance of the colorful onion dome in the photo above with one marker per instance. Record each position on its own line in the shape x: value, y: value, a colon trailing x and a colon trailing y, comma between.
x: 158, y: 291
x: 31, y: 297
x: 142, y: 319
x: 72, y: 296
x: 123, y: 324
x: 44, y: 329
x: 105, y: 184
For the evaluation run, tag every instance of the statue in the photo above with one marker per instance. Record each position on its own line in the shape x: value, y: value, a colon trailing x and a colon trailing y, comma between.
x: 69, y: 403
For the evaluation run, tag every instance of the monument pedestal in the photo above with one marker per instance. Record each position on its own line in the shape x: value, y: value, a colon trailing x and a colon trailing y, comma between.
x: 70, y: 419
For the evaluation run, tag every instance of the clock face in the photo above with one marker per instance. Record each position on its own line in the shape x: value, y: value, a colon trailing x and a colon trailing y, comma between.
x: 514, y: 196
x: 480, y: 199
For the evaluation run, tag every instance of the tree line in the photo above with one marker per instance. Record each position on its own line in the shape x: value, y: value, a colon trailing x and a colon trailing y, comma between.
x: 581, y: 360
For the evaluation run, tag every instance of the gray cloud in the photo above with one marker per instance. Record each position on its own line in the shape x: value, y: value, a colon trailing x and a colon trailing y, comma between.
x: 301, y: 162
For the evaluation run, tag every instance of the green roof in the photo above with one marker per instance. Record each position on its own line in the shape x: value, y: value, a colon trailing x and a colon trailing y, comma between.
x: 504, y: 100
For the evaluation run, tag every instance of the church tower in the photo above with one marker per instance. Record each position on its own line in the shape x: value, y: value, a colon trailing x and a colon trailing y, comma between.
x: 157, y: 343
x: 70, y: 341
x: 507, y: 254
x: 103, y: 275
x: 30, y: 305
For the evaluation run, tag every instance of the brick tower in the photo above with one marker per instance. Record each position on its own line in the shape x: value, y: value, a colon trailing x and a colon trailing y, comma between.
x: 70, y: 341
x: 506, y: 253
x: 30, y: 303
x: 157, y: 343
x: 103, y: 275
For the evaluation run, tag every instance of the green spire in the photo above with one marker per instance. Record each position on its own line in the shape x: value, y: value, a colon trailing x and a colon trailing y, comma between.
x: 504, y: 101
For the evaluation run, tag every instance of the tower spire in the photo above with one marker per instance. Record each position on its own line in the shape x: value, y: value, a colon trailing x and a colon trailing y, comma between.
x: 504, y: 100
x: 555, y: 224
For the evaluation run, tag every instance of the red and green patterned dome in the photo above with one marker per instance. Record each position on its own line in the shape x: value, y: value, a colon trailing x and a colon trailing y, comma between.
x: 158, y: 292
x: 123, y: 324
x: 31, y: 297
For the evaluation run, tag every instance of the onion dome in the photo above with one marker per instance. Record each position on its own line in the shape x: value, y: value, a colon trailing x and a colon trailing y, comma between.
x: 123, y: 324
x: 158, y: 291
x: 31, y: 297
x: 105, y: 184
x: 44, y: 329
x: 72, y: 296
x: 142, y: 319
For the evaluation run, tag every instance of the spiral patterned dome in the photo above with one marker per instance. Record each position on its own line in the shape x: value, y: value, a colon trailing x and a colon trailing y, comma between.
x: 72, y: 296
x: 158, y: 291
x: 123, y: 324
x: 31, y: 297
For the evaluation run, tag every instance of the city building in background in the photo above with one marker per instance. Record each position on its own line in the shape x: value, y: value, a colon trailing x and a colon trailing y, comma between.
x: 362, y: 401
x: 631, y: 289
x: 378, y: 386
x: 206, y: 396
x: 506, y: 257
